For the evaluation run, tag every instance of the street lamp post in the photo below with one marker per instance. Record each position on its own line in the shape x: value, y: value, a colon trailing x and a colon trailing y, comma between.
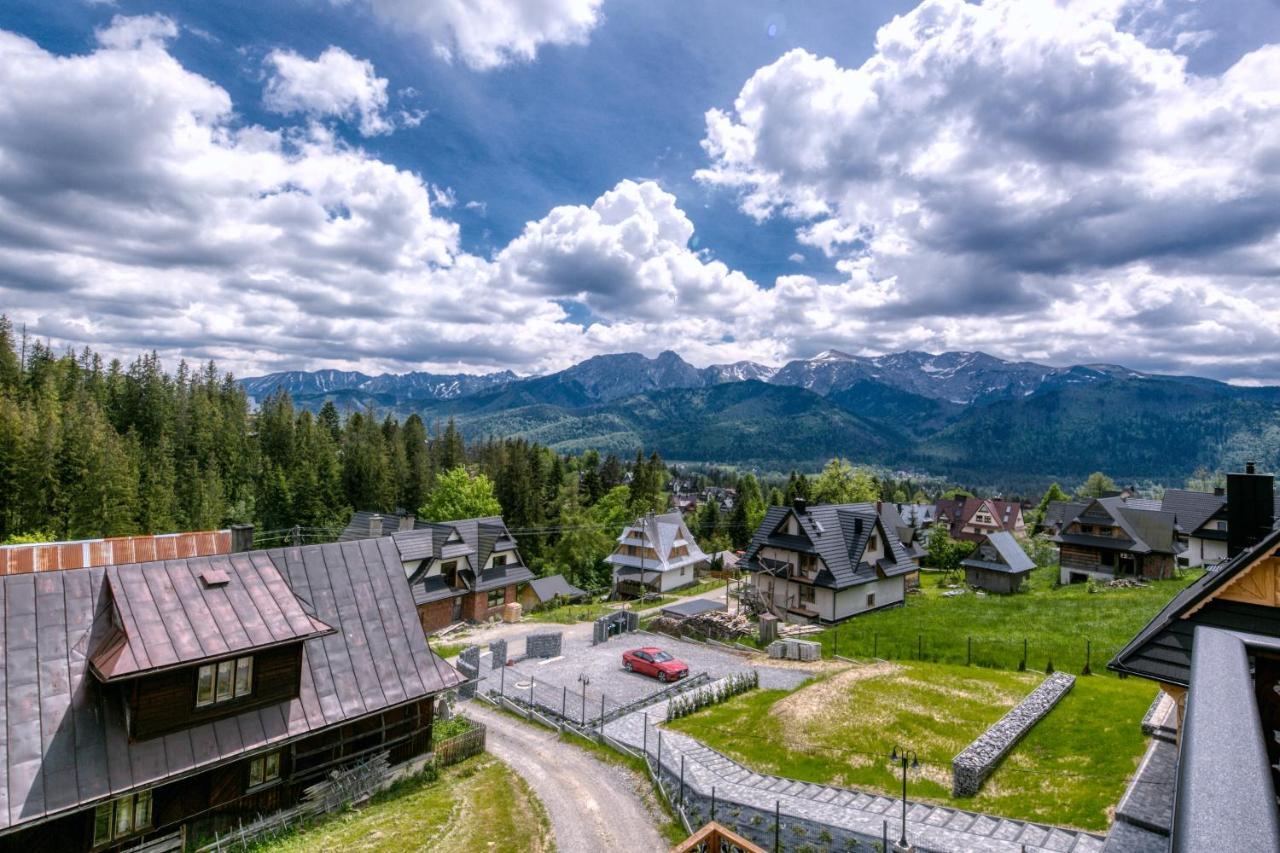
x: 908, y: 759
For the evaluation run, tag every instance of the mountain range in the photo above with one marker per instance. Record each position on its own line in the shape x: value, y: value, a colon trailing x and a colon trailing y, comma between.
x: 967, y: 415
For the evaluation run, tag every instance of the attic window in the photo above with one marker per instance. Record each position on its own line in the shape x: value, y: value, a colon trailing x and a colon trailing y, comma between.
x: 214, y: 577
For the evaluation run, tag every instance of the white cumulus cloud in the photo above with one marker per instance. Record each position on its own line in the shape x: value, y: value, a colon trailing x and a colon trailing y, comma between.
x: 334, y: 84
x: 486, y: 34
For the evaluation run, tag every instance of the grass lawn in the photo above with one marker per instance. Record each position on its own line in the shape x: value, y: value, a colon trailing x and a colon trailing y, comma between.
x: 1055, y: 622
x: 1070, y: 770
x: 479, y: 804
x: 448, y: 650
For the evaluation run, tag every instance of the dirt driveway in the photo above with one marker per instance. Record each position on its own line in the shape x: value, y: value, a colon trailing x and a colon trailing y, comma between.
x: 593, y: 805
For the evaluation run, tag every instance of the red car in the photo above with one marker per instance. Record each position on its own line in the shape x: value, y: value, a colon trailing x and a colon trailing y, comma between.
x: 653, y: 661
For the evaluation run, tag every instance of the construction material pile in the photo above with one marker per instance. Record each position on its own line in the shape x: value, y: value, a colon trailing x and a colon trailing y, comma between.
x: 715, y: 625
x: 795, y: 650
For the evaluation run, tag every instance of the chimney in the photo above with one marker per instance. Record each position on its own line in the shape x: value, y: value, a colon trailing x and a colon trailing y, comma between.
x: 1250, y: 508
x: 375, y: 525
x: 241, y: 538
x: 1219, y: 491
x: 406, y: 521
x: 800, y: 505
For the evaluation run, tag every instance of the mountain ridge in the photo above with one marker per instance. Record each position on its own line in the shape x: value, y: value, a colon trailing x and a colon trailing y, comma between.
x: 965, y: 414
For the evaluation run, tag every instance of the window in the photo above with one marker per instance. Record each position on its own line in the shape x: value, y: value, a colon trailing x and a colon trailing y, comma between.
x: 1107, y: 558
x: 1221, y: 525
x: 806, y: 595
x: 497, y: 597
x: 871, y: 599
x: 1086, y: 528
x: 873, y: 543
x: 121, y: 817
x: 499, y: 559
x: 264, y: 769
x: 224, y: 681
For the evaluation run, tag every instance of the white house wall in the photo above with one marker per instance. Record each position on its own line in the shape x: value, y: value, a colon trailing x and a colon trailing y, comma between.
x: 852, y: 601
x: 1204, y: 551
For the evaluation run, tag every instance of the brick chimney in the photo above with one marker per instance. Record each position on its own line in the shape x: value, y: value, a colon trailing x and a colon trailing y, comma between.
x: 1250, y: 508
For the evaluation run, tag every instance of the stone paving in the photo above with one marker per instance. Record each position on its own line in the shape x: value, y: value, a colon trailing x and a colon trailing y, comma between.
x: 824, y: 816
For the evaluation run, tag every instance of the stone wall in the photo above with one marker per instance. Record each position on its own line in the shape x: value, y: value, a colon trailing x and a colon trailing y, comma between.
x: 545, y: 645
x: 975, y: 763
x: 469, y: 666
x: 498, y: 648
x: 628, y: 620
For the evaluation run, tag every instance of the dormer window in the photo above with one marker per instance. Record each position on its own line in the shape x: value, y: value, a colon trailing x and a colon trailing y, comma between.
x: 499, y: 559
x: 873, y: 543
x: 224, y: 681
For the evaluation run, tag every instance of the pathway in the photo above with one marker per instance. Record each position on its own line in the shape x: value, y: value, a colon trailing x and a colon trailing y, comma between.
x: 592, y: 805
x: 839, y: 811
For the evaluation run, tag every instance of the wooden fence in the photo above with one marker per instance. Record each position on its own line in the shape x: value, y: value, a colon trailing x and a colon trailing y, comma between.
x: 460, y: 747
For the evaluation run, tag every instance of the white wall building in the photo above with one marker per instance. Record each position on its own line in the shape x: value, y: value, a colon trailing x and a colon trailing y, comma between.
x: 658, y: 552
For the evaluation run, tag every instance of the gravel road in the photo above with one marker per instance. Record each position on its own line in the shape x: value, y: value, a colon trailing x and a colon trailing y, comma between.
x: 592, y: 805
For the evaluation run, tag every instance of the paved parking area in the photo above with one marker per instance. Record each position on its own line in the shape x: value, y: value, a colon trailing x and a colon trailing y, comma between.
x: 557, y: 682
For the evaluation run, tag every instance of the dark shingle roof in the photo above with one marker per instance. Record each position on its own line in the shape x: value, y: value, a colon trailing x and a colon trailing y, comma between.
x: 1000, y: 552
x: 838, y: 534
x: 1060, y: 513
x: 64, y: 741
x: 1145, y: 530
x: 549, y: 587
x: 1162, y: 650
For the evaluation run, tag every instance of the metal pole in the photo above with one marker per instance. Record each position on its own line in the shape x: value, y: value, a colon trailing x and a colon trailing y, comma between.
x: 713, y: 802
x: 969, y: 654
x: 682, y: 780
x: 919, y: 646
x: 646, y: 736
x: 777, y: 826
x: 835, y: 653
x: 583, y: 718
x: 601, y: 713
x: 903, y: 842
x: 875, y: 645
x: 564, y: 700
x: 884, y: 834
x: 659, y: 755
x: 1088, y: 653
x: 502, y: 682
x: 531, y: 682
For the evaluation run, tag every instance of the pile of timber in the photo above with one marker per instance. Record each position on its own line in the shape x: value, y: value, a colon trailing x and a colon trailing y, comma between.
x: 715, y: 625
x: 799, y: 630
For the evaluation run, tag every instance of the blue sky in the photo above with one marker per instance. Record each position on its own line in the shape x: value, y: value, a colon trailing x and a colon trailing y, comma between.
x: 551, y: 185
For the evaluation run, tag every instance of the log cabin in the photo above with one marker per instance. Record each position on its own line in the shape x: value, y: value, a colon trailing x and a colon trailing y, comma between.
x: 147, y: 700
x: 998, y: 564
x: 1114, y: 537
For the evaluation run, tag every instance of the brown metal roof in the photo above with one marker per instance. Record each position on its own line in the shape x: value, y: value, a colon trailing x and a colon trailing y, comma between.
x: 168, y: 616
x: 64, y: 744
x: 56, y: 556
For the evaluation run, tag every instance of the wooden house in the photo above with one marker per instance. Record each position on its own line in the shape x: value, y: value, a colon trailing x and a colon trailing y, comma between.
x: 1214, y: 650
x: 1117, y: 537
x: 460, y: 571
x: 827, y: 562
x: 541, y: 592
x: 656, y: 553
x: 148, y: 698
x: 998, y: 564
x: 969, y: 519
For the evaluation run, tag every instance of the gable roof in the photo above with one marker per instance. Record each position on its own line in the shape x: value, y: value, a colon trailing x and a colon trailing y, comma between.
x: 1145, y: 530
x: 366, y: 524
x: 1000, y: 552
x: 838, y: 533
x: 64, y: 742
x: 470, y: 541
x: 1162, y: 650
x: 549, y: 587
x: 170, y: 615
x: 662, y: 533
x: 1061, y: 513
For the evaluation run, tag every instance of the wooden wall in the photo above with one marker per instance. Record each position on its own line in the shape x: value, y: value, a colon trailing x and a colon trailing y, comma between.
x: 166, y: 702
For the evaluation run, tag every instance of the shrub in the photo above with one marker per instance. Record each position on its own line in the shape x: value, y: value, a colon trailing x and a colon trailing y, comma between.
x: 683, y: 704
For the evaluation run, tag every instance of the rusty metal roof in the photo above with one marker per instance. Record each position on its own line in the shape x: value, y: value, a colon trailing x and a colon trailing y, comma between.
x: 56, y: 556
x: 64, y: 742
x: 168, y: 616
